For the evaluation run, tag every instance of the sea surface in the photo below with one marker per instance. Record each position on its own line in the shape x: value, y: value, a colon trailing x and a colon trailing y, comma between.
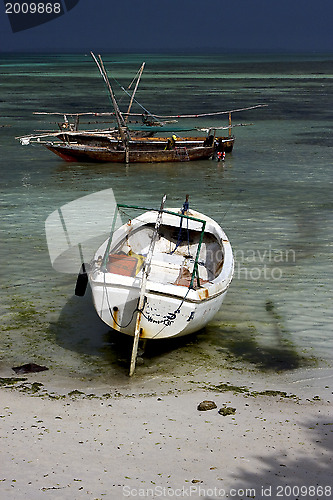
x: 273, y: 196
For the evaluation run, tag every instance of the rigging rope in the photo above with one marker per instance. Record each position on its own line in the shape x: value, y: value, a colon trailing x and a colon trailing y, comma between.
x: 137, y: 102
x: 167, y: 320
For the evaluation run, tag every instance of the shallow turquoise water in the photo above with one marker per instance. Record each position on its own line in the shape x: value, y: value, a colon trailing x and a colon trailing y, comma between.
x: 273, y: 197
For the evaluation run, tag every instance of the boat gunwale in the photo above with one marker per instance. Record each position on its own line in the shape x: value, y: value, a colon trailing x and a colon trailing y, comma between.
x: 186, y: 294
x: 93, y: 148
x: 221, y: 282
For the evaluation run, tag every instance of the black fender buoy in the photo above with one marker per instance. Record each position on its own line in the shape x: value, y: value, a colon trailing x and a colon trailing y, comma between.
x: 81, y: 282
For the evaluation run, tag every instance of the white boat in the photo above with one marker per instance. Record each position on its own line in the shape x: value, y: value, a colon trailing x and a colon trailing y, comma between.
x: 163, y: 274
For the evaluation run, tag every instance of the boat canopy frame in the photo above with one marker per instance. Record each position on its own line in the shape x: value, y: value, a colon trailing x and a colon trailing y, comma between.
x: 195, y: 272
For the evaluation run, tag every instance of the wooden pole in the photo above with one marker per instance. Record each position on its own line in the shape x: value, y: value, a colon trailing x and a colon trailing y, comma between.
x: 146, y: 271
x: 134, y: 91
x: 211, y: 114
x: 123, y: 131
x: 157, y: 116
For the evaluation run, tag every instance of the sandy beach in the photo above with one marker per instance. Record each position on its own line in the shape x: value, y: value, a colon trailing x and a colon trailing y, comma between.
x: 90, y: 442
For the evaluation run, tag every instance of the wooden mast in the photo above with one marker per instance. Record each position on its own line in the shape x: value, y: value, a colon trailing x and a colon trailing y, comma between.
x: 134, y: 91
x: 123, y: 130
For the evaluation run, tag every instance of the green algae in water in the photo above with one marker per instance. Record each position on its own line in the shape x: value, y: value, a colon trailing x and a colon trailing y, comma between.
x: 24, y: 386
x: 269, y: 306
x: 227, y: 411
x: 281, y: 394
x: 242, y: 389
x: 10, y: 381
x: 76, y: 393
x: 24, y: 312
x: 227, y: 388
x: 32, y: 389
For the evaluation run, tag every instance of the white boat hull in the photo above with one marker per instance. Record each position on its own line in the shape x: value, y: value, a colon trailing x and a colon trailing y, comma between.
x: 164, y: 315
x: 172, y: 307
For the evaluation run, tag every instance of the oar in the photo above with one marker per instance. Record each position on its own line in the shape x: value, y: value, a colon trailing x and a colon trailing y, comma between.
x: 146, y: 271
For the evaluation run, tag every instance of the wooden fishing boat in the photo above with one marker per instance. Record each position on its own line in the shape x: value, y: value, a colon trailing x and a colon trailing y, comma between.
x: 109, y: 138
x: 163, y: 274
x: 141, y: 150
x: 126, y: 143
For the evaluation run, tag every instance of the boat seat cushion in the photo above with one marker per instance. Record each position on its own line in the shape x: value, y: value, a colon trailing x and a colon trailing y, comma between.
x: 125, y: 265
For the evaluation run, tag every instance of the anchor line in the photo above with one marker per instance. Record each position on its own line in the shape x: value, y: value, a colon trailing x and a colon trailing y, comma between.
x: 166, y: 321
